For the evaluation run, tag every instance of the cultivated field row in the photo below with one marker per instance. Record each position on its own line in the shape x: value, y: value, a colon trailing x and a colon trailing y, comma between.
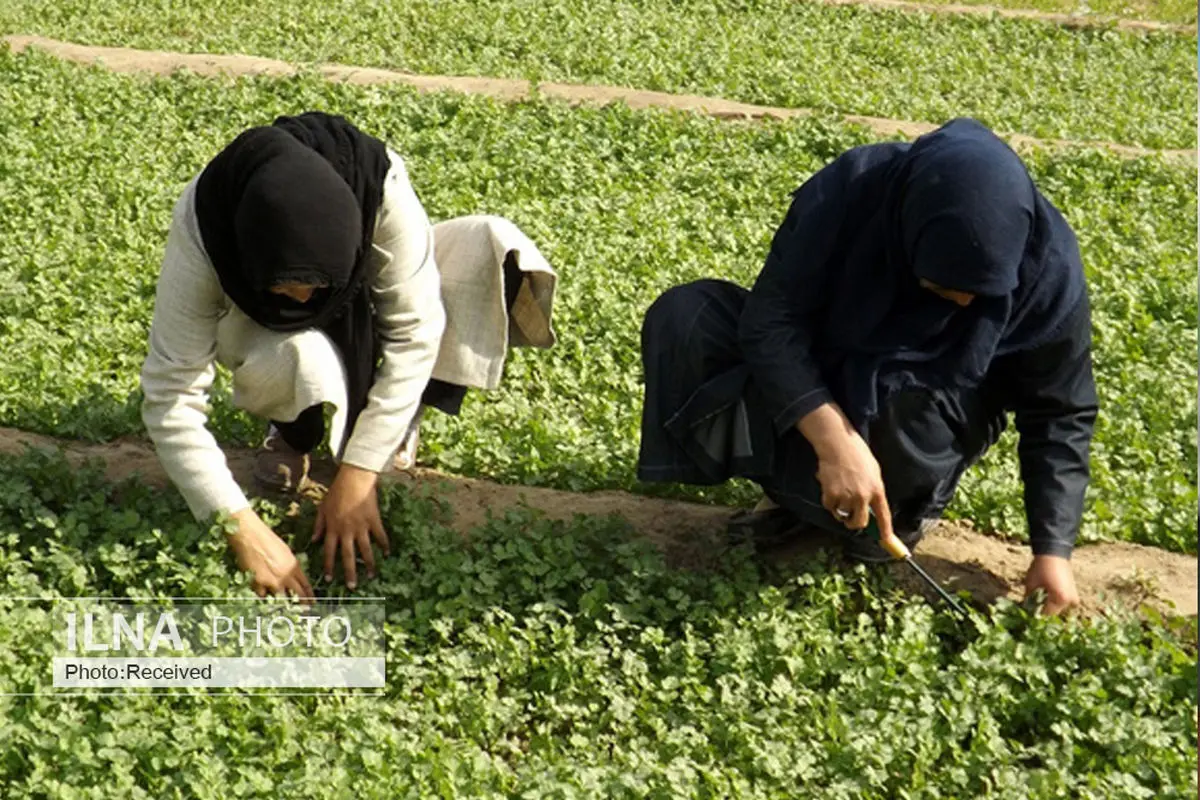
x: 1135, y: 88
x: 623, y: 202
x: 132, y: 61
x: 690, y: 534
x: 1050, y: 17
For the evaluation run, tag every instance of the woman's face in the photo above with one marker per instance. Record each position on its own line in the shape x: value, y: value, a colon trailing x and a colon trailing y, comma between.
x: 953, y: 295
x: 300, y: 292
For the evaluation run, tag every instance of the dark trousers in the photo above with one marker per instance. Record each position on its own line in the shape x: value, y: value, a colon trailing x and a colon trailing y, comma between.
x: 703, y: 419
x: 305, y: 433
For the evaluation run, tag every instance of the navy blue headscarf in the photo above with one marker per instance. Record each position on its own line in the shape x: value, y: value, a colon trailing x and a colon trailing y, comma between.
x: 956, y: 207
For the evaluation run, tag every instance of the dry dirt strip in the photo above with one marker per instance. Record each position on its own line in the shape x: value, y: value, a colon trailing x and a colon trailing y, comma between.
x: 692, y: 534
x: 128, y: 60
x: 1066, y: 20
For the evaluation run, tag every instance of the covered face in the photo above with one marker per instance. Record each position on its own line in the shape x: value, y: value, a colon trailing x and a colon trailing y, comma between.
x: 967, y: 210
x: 852, y: 265
x: 296, y: 221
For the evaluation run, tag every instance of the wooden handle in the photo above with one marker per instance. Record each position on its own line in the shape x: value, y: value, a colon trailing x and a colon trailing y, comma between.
x: 896, y: 548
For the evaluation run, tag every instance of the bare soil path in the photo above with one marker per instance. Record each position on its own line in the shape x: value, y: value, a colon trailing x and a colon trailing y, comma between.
x: 987, y: 566
x: 1066, y: 20
x: 128, y: 60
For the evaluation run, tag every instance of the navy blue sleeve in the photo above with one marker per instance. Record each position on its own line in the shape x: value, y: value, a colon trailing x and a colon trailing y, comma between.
x: 777, y: 324
x: 1052, y: 394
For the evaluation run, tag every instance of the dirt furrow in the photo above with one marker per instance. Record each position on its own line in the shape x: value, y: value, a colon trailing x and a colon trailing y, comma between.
x: 987, y: 566
x: 127, y: 60
x: 1066, y: 20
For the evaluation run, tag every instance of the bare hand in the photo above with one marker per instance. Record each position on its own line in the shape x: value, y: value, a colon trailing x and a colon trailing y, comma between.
x: 1052, y: 574
x: 850, y: 478
x: 348, y: 519
x: 270, y: 561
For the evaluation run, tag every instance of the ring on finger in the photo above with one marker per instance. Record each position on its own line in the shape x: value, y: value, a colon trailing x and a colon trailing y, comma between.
x: 843, y: 513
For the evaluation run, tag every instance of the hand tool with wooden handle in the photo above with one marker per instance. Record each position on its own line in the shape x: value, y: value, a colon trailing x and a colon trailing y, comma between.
x: 899, y: 550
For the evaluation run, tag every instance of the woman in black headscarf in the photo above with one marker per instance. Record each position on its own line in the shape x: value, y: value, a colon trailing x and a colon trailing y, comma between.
x: 301, y: 259
x: 913, y: 296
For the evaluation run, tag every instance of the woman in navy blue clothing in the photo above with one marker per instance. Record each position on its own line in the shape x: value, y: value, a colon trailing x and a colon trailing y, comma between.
x: 913, y: 297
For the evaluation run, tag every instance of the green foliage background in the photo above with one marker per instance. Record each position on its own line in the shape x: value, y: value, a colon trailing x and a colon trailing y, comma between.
x: 542, y: 659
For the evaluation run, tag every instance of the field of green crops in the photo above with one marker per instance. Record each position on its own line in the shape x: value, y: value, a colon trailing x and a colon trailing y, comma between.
x: 545, y: 660
x: 1020, y: 76
x: 541, y: 659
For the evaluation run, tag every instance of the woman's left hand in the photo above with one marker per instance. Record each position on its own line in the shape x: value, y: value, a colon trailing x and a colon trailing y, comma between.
x: 1053, y: 575
x: 348, y: 518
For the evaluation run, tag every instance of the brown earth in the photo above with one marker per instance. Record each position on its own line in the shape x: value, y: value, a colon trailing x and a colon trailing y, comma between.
x: 963, y: 559
x: 127, y: 60
x: 1066, y: 20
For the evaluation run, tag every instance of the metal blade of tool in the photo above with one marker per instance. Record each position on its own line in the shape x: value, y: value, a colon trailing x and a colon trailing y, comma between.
x: 899, y: 551
x: 954, y: 604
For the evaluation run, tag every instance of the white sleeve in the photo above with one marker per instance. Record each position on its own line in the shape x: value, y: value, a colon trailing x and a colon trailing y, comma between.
x: 409, y: 318
x: 179, y: 371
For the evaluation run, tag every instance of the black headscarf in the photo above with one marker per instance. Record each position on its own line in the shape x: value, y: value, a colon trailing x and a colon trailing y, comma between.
x: 958, y: 208
x: 295, y: 202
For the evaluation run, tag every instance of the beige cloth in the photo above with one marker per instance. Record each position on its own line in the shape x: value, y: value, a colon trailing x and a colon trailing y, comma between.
x: 471, y: 252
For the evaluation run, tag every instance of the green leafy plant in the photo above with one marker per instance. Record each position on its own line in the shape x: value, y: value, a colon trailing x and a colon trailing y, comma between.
x: 538, y: 658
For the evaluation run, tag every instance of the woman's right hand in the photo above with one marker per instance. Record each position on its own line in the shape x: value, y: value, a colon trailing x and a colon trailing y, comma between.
x: 850, y: 478
x: 273, y: 565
